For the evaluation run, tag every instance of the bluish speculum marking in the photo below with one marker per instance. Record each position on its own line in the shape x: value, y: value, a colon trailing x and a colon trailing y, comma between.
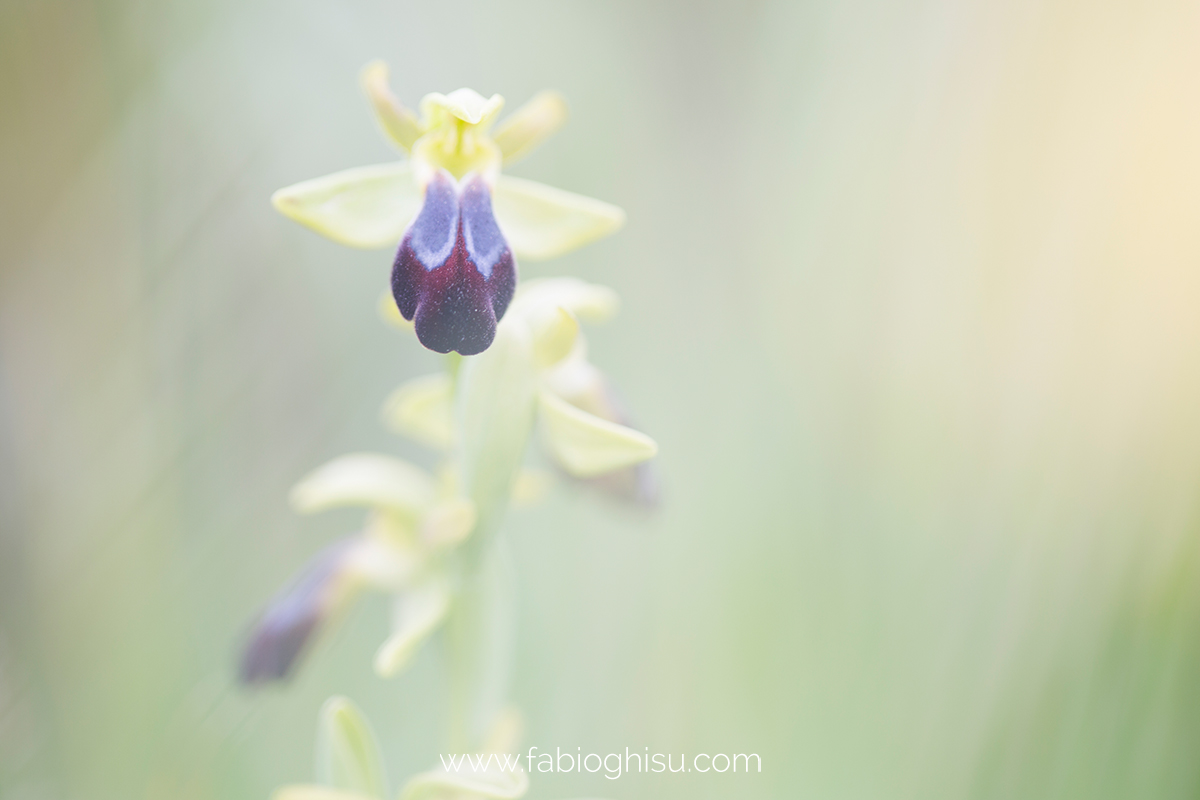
x: 485, y: 243
x: 454, y: 273
x: 435, y: 227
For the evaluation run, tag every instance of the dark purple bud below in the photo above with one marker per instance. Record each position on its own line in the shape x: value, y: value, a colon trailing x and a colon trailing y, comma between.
x: 289, y: 623
x: 454, y: 274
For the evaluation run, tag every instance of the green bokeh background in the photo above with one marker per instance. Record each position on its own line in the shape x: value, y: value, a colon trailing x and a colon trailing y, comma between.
x: 911, y: 295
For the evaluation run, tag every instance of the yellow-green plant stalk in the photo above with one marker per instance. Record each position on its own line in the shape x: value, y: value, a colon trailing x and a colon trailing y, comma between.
x: 432, y: 541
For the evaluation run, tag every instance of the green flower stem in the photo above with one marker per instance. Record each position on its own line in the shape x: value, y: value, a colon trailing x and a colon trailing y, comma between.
x: 480, y: 635
x: 496, y: 403
x: 462, y: 645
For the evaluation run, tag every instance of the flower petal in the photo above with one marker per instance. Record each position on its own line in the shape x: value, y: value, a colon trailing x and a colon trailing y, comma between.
x: 348, y: 754
x: 398, y: 123
x: 365, y: 479
x: 415, y: 614
x: 542, y: 222
x: 423, y: 409
x: 540, y: 297
x: 554, y: 337
x: 367, y: 207
x: 321, y: 591
x: 382, y: 561
x: 580, y: 383
x: 491, y: 783
x: 465, y: 104
x: 530, y: 125
x: 454, y: 274
x: 586, y: 445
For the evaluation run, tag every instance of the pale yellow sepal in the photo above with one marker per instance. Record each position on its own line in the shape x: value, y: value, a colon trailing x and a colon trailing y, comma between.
x: 576, y: 380
x: 492, y: 783
x: 398, y: 123
x: 390, y: 313
x: 347, y: 752
x: 540, y: 297
x: 542, y: 222
x: 308, y: 791
x: 448, y: 523
x: 365, y: 479
x: 465, y: 104
x: 368, y: 207
x: 586, y: 445
x: 379, y: 561
x: 530, y: 125
x: 554, y: 337
x: 416, y: 612
x: 423, y: 409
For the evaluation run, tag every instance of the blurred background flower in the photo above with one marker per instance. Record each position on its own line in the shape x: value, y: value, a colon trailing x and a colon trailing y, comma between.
x: 909, y: 302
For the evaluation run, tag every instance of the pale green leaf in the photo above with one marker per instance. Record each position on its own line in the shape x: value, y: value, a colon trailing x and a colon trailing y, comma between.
x: 366, y: 207
x: 347, y: 752
x: 416, y: 613
x: 365, y: 479
x: 530, y: 125
x: 542, y: 222
x: 586, y: 445
x: 423, y: 409
x: 398, y: 123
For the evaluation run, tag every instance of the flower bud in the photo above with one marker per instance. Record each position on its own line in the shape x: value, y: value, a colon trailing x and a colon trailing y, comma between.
x: 287, y: 626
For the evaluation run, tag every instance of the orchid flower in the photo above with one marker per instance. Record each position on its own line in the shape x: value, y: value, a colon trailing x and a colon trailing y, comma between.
x: 432, y: 542
x: 459, y: 223
x: 413, y: 519
x: 536, y: 380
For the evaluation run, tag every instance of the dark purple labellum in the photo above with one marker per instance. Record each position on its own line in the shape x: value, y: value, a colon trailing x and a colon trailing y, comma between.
x: 454, y: 272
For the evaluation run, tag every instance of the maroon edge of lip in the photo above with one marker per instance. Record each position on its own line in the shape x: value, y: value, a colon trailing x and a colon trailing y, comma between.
x: 455, y: 305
